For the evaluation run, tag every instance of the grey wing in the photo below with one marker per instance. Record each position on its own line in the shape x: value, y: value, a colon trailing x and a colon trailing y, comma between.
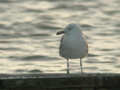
x: 61, y: 47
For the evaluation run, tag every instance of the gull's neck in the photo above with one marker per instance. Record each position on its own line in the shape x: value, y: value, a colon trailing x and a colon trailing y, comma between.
x: 76, y: 33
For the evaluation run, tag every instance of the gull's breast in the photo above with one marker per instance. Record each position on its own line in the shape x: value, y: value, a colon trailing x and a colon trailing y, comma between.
x: 73, y: 47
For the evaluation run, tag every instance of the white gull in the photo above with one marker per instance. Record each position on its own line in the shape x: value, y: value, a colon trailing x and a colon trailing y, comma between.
x: 73, y: 44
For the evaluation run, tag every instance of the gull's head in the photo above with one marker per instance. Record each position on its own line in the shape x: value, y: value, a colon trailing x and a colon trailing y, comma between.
x: 69, y: 29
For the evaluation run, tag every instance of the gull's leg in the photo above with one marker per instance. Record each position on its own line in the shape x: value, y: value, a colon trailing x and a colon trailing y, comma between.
x: 68, y: 66
x: 81, y: 65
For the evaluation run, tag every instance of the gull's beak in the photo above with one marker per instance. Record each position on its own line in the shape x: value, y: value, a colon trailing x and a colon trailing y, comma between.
x: 60, y: 32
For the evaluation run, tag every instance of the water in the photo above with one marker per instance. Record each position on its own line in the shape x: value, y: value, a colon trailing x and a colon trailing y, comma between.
x: 28, y: 41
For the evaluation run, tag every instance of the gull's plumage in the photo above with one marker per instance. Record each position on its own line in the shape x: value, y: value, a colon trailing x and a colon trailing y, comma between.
x: 73, y: 44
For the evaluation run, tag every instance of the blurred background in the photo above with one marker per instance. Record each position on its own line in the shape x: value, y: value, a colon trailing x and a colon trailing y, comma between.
x: 28, y: 41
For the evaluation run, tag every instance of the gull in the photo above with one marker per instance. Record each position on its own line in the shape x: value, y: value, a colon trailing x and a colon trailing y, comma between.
x: 73, y: 44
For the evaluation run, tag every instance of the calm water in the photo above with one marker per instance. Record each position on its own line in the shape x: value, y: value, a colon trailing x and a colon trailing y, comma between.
x: 28, y: 41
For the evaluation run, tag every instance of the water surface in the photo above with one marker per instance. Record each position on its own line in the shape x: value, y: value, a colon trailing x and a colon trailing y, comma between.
x: 28, y: 41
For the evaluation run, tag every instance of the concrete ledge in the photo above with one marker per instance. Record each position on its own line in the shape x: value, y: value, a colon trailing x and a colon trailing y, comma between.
x: 60, y: 81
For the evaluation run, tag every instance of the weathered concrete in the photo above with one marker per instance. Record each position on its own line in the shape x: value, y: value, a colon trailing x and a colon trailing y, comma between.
x: 60, y: 81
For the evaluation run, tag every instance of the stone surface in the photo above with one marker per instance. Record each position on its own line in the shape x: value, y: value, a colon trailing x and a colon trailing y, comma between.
x: 103, y: 89
x: 60, y: 81
x: 87, y: 89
